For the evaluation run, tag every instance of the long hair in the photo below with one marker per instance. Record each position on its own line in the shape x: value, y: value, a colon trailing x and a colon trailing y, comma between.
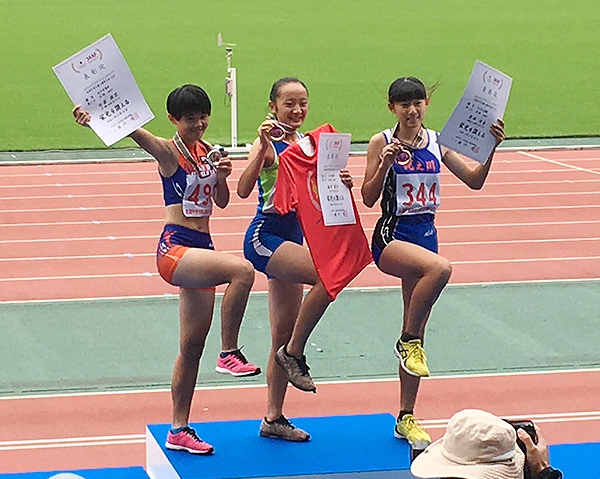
x: 409, y: 88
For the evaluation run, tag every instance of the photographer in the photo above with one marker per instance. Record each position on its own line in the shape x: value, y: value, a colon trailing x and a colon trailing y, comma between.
x: 479, y: 445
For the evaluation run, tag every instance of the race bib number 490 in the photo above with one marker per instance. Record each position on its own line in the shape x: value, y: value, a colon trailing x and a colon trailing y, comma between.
x: 197, y: 199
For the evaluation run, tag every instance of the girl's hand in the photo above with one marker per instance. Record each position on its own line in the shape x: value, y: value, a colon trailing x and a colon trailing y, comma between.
x: 497, y: 131
x: 82, y: 117
x: 346, y: 178
x: 388, y: 155
x: 224, y: 168
x: 264, y: 129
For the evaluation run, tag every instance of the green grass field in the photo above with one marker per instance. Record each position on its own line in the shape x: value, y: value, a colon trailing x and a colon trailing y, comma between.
x: 347, y: 51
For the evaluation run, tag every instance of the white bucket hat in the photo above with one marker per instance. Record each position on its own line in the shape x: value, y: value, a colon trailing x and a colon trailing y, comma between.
x: 476, y: 445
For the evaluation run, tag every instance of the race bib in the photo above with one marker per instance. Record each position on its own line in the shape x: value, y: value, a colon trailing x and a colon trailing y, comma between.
x: 199, y: 190
x: 417, y: 193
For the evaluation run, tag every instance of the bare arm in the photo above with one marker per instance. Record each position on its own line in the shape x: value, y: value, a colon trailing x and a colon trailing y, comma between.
x: 161, y: 149
x: 261, y: 155
x: 379, y: 159
x: 474, y: 178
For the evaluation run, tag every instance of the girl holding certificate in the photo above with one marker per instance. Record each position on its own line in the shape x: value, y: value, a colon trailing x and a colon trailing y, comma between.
x: 193, y: 177
x: 403, y: 168
x: 273, y: 244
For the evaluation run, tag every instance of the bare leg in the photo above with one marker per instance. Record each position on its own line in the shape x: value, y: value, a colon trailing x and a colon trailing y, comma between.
x: 201, y: 268
x: 195, y: 316
x: 409, y: 388
x: 409, y: 384
x: 292, y: 263
x: 233, y: 306
x: 284, y: 304
x: 424, y: 275
x: 313, y: 307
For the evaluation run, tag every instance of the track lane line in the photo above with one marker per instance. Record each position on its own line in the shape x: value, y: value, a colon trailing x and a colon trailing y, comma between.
x: 454, y: 183
x: 555, y: 162
x: 148, y: 274
x: 440, y: 423
x: 367, y: 213
x: 147, y: 255
x: 367, y: 230
x: 480, y: 225
x: 244, y: 204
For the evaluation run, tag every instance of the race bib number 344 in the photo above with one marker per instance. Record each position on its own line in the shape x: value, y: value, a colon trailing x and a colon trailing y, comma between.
x: 417, y: 193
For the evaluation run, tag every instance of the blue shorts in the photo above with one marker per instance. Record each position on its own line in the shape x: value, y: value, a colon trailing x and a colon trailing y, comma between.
x: 265, y: 234
x: 415, y: 229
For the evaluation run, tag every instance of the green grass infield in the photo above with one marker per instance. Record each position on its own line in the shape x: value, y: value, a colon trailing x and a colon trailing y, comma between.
x: 347, y: 51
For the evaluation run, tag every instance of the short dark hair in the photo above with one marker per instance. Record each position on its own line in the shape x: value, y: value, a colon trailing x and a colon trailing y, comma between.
x: 279, y: 83
x: 188, y: 99
x: 407, y: 89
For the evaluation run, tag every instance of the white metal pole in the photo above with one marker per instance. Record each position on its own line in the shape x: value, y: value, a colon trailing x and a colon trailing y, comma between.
x: 230, y: 87
x: 233, y: 92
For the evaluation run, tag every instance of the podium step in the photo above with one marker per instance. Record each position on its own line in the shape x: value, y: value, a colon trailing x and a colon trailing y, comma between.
x: 136, y: 472
x: 341, y: 447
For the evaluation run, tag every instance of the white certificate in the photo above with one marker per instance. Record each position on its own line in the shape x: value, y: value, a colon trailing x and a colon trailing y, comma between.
x: 98, y: 78
x: 334, y: 196
x: 467, y: 131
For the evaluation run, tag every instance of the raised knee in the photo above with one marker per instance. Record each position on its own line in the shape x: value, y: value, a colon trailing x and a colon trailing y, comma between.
x: 444, y: 270
x: 246, y: 274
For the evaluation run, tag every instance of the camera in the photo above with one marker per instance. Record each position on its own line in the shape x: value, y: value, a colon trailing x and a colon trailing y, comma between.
x: 529, y: 428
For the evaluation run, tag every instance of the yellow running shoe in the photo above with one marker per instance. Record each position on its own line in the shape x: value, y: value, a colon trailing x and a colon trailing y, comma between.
x: 409, y: 428
x: 412, y: 357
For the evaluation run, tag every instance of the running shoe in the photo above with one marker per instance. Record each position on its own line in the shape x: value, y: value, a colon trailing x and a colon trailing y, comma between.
x: 281, y: 428
x: 295, y: 369
x: 409, y: 428
x: 412, y: 357
x: 236, y: 364
x: 187, y: 440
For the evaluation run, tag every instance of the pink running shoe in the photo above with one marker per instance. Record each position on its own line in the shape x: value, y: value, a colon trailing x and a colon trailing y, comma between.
x: 236, y: 364
x: 188, y: 440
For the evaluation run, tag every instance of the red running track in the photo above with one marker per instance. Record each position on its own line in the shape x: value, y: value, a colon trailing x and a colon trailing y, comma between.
x: 70, y: 229
x: 107, y: 430
x: 82, y: 230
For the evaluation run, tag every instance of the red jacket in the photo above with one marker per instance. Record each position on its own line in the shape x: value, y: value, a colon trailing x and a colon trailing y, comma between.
x: 339, y: 252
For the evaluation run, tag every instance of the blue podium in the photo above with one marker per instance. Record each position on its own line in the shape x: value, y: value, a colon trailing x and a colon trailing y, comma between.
x: 576, y: 461
x: 341, y: 447
x: 136, y: 472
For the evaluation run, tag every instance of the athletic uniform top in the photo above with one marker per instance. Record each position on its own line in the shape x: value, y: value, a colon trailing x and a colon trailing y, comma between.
x: 339, y: 252
x: 194, y: 181
x: 414, y: 188
x: 267, y: 176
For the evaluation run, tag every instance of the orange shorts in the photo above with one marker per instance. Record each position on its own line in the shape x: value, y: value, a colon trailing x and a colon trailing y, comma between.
x: 174, y: 241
